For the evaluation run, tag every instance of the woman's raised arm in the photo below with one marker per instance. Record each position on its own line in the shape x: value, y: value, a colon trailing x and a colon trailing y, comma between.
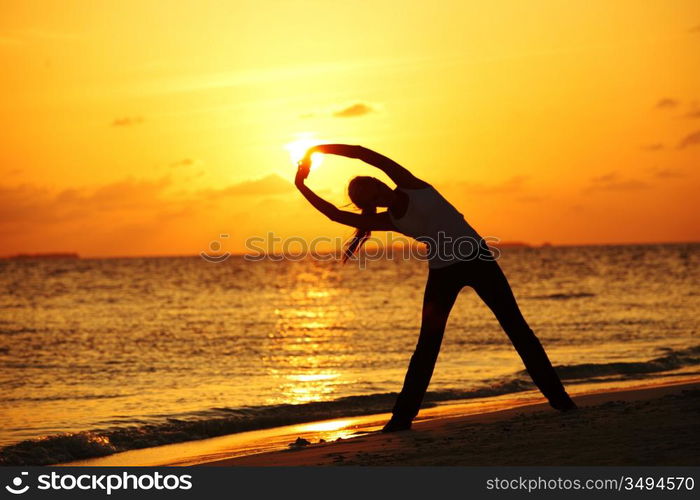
x: 373, y: 222
x: 400, y: 175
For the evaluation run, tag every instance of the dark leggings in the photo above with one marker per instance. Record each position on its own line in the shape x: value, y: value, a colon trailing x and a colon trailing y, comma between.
x: 441, y: 290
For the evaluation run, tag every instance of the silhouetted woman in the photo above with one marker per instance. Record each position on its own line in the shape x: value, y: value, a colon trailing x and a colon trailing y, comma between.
x: 417, y: 210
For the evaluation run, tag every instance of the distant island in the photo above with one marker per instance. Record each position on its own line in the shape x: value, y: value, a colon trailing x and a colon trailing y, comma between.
x: 509, y: 244
x: 47, y: 255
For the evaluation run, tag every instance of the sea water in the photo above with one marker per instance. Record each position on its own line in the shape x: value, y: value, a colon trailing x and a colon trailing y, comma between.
x: 103, y: 355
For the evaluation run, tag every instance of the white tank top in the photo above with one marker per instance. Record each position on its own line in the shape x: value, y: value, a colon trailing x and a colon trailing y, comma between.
x: 431, y: 219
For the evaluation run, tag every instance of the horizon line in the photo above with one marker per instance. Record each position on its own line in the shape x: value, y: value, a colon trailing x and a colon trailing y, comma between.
x: 512, y: 244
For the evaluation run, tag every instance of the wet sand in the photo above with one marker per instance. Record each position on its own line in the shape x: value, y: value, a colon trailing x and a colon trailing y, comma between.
x: 656, y: 425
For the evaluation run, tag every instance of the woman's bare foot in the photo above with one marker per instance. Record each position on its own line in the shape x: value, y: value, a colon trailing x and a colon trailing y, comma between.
x: 564, y: 404
x: 396, y: 425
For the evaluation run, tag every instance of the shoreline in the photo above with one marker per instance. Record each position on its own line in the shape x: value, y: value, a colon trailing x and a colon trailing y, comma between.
x: 271, y: 446
x: 655, y: 425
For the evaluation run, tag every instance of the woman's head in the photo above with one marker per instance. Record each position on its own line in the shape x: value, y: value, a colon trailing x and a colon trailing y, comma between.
x: 367, y: 193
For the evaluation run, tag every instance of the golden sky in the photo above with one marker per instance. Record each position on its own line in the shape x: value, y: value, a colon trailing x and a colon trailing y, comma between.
x: 150, y: 127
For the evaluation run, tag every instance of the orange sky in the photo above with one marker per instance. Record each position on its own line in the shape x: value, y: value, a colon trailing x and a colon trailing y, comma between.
x: 150, y: 127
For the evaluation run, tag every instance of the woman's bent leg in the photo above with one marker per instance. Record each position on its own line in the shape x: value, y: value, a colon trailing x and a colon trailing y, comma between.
x: 491, y: 285
x: 441, y: 291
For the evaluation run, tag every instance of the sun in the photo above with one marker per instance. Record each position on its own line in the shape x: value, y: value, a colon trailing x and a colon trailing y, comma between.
x: 298, y: 148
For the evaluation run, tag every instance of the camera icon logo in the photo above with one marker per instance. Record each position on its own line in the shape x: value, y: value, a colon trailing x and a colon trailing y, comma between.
x: 215, y: 246
x: 16, y: 488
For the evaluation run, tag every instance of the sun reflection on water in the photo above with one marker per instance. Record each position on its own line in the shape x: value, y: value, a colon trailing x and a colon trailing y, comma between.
x: 307, y: 342
x: 312, y: 378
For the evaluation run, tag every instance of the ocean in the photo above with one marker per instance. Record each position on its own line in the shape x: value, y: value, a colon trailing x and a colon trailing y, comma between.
x: 105, y: 355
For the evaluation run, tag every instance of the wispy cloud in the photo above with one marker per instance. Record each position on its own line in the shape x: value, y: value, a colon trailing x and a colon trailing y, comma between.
x: 515, y: 184
x: 200, y: 81
x: 127, y: 121
x: 268, y: 185
x: 185, y: 162
x: 31, y: 204
x: 666, y: 173
x: 656, y: 146
x: 351, y: 110
x: 145, y: 216
x: 531, y: 198
x: 667, y: 103
x: 27, y: 203
x: 692, y: 139
x: 693, y: 112
x: 355, y: 109
x: 613, y: 182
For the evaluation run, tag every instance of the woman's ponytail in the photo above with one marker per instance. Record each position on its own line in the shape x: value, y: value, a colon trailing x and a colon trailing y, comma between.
x: 359, y: 238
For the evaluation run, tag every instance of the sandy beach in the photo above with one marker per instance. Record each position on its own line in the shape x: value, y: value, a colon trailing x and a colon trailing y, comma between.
x: 655, y: 425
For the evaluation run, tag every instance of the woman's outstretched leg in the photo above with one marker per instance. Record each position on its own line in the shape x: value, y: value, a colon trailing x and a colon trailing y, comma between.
x: 441, y: 291
x: 491, y: 285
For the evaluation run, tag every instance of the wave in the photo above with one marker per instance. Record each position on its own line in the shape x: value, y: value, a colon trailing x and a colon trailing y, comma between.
x: 86, y: 397
x: 220, y: 421
x: 18, y: 331
x: 671, y: 361
x: 217, y: 422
